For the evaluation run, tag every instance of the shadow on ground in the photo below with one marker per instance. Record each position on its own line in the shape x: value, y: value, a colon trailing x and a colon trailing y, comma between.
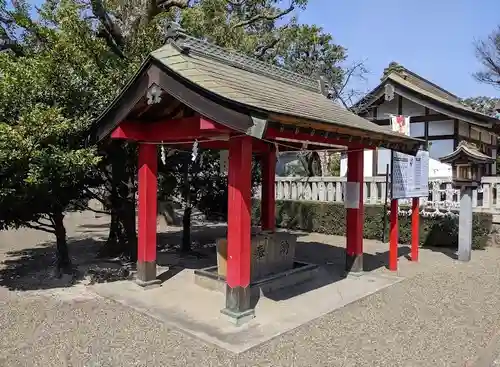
x: 33, y: 268
x: 451, y: 252
x: 332, y: 264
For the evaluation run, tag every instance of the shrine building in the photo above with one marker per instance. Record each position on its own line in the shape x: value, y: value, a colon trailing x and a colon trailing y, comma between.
x: 436, y: 116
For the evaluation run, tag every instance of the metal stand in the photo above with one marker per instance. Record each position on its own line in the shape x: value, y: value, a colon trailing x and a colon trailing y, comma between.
x: 386, y: 195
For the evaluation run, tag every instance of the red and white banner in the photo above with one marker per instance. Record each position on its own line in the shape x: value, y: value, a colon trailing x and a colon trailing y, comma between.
x: 400, y: 124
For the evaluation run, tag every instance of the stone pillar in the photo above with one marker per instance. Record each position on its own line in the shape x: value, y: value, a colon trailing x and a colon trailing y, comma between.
x: 147, y: 198
x: 268, y: 199
x: 238, y: 306
x: 355, y: 212
x: 494, y: 164
x: 465, y: 224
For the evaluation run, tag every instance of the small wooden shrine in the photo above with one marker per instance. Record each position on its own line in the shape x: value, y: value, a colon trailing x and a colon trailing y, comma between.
x: 192, y: 91
x: 468, y: 164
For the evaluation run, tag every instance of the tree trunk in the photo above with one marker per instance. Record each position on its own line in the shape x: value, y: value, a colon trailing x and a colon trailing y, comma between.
x: 186, y: 219
x: 186, y: 230
x: 63, y: 261
x: 120, y: 174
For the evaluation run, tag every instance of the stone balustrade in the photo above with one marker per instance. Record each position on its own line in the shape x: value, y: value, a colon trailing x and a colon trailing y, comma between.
x: 442, y: 195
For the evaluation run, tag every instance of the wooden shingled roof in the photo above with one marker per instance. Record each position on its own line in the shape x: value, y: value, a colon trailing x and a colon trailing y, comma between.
x: 245, y: 87
x: 469, y: 151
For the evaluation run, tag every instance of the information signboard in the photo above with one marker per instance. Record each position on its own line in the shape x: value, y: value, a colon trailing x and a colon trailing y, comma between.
x: 410, y: 175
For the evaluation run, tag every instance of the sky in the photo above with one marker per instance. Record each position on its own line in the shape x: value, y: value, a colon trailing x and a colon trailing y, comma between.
x: 433, y: 38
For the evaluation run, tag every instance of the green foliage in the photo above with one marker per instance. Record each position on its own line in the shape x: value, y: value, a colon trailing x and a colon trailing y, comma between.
x: 334, y: 164
x: 40, y: 174
x: 393, y: 67
x: 307, y: 50
x: 329, y: 218
x: 48, y: 95
x: 482, y: 104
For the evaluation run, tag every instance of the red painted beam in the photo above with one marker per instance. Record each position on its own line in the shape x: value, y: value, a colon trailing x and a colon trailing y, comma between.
x: 239, y: 212
x: 129, y: 131
x: 209, y: 125
x: 148, y: 170
x: 394, y: 236
x: 272, y: 134
x: 185, y: 129
x: 147, y: 190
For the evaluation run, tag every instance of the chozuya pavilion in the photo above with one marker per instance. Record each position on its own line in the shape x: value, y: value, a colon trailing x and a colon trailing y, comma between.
x: 193, y: 91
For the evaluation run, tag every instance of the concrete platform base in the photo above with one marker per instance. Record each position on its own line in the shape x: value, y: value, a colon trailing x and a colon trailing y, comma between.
x: 302, y: 272
x: 238, y: 319
x: 151, y: 284
x: 182, y: 304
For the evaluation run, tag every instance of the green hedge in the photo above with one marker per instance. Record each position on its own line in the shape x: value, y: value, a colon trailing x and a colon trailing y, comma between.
x: 329, y: 218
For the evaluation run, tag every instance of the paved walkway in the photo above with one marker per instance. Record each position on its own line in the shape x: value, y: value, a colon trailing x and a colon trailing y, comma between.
x: 443, y: 314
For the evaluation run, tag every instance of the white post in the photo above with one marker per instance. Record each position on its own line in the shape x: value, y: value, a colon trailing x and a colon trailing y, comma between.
x: 494, y: 164
x: 465, y: 224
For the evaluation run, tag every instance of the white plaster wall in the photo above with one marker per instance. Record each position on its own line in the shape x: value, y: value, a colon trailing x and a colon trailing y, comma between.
x: 391, y: 107
x: 463, y: 128
x: 383, y: 159
x: 367, y: 167
x: 412, y: 109
x: 417, y: 129
x: 388, y: 107
x: 440, y: 148
x: 446, y: 127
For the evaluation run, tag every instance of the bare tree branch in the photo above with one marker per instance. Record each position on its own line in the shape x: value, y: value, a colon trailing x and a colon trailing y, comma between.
x: 5, y: 20
x: 488, y: 53
x: 168, y: 4
x: 95, y: 196
x: 258, y: 17
x: 236, y: 4
x: 108, y: 38
x: 161, y: 6
x: 39, y: 227
x: 110, y: 32
x: 358, y: 70
x: 261, y: 50
x: 9, y: 44
x: 48, y: 218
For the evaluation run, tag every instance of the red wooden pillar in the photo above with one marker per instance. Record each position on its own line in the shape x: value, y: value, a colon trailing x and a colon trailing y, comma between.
x: 355, y: 211
x: 268, y: 200
x: 415, y: 228
x: 147, y: 187
x: 238, y: 306
x: 394, y: 236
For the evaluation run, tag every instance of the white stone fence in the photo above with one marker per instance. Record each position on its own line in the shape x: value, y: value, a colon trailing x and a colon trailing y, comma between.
x: 443, y: 197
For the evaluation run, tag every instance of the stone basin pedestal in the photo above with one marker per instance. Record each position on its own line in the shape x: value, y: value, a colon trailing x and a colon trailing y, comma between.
x: 272, y: 252
x: 272, y: 266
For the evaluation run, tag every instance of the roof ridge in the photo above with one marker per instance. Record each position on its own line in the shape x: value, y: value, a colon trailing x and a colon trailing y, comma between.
x: 456, y: 104
x: 412, y: 73
x: 186, y: 43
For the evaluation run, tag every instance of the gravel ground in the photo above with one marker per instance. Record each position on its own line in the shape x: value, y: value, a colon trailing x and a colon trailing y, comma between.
x: 444, y: 314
